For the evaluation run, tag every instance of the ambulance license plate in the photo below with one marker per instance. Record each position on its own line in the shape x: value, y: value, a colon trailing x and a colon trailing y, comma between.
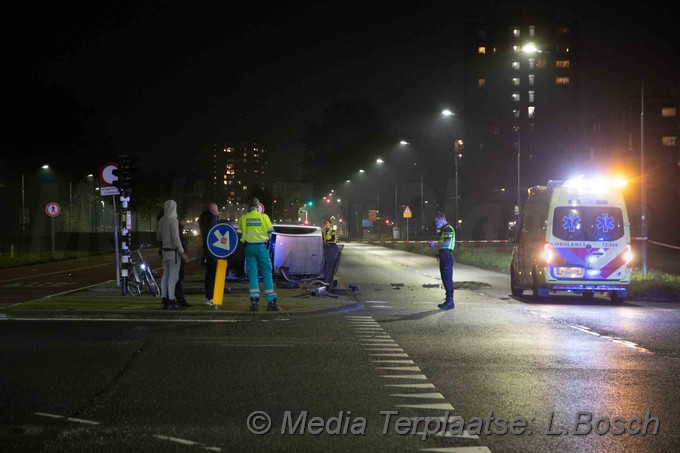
x: 569, y: 271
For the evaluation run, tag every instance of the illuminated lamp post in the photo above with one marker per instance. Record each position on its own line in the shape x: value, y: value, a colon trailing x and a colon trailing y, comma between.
x: 515, y: 127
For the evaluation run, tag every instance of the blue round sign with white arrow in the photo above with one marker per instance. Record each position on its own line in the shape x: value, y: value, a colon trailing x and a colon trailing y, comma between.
x: 222, y: 240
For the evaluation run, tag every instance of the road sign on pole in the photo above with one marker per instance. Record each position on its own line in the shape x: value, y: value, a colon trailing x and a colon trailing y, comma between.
x: 108, y: 190
x: 106, y: 176
x: 407, y: 213
x: 52, y: 209
x: 222, y: 241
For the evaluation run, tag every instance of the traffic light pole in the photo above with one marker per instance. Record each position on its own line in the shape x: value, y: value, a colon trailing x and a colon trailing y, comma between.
x: 127, y: 240
x: 125, y: 188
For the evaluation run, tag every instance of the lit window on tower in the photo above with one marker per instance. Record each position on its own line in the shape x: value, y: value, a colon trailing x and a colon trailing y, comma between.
x: 481, y: 50
x: 515, y: 65
x: 562, y: 64
x: 669, y: 141
x: 561, y: 80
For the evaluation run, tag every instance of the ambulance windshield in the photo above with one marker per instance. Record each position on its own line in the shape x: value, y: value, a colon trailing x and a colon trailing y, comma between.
x: 588, y: 223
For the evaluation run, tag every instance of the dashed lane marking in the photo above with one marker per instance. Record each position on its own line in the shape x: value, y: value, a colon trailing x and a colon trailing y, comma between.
x: 187, y: 442
x: 383, y: 342
x: 459, y: 449
x: 434, y: 406
x: 70, y: 419
x: 428, y: 396
x: 429, y: 385
x: 398, y: 368
x: 404, y: 362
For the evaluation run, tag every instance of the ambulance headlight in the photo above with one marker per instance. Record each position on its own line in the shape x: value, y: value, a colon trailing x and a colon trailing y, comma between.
x: 547, y: 253
x: 628, y: 254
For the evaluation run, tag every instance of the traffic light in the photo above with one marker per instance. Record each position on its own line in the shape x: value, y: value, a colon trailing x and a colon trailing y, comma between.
x: 125, y: 172
x: 310, y: 203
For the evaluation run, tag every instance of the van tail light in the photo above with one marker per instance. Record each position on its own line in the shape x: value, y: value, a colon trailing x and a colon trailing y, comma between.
x: 628, y: 254
x: 547, y: 253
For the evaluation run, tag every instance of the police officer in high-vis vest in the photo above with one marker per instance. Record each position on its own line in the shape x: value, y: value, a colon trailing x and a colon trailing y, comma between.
x: 255, y: 229
x: 328, y: 232
x: 445, y: 244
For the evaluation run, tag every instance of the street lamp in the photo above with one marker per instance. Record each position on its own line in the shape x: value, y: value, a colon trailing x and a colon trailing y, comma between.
x: 458, y: 150
x: 24, y: 216
x: 422, y: 199
x: 448, y: 112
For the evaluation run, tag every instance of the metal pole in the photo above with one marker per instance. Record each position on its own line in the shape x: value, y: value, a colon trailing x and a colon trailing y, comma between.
x: 70, y: 206
x: 519, y: 148
x: 455, y: 158
x: 377, y: 214
x: 396, y: 205
x: 23, y: 206
x: 115, y: 240
x: 643, y: 194
x: 422, y: 206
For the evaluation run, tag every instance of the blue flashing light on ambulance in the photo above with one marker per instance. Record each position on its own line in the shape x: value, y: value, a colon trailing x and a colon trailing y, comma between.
x: 573, y: 236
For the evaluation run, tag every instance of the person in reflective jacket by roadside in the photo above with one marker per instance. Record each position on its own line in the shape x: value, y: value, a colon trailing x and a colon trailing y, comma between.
x: 255, y: 229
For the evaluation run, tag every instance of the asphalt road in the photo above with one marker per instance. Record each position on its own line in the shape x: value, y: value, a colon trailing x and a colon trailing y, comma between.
x: 357, y: 379
x: 31, y: 282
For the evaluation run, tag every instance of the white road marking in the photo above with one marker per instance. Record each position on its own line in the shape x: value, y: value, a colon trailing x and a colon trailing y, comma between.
x: 393, y: 361
x: 70, y: 419
x: 404, y: 376
x: 398, y: 368
x: 187, y: 442
x: 373, y: 343
x: 459, y: 449
x: 429, y: 396
x: 438, y: 406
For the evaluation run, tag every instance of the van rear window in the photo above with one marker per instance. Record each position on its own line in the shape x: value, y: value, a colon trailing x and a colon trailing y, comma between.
x: 588, y: 223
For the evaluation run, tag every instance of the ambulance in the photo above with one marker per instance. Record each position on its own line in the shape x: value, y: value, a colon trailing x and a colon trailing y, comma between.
x: 573, y: 236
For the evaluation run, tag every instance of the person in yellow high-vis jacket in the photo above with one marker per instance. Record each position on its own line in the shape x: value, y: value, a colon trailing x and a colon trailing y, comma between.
x: 255, y: 229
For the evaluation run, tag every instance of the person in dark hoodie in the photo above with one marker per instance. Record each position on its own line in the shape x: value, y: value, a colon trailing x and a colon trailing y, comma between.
x: 172, y: 254
x: 208, y: 219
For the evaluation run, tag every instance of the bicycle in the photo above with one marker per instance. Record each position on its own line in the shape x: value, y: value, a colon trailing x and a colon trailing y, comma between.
x: 140, y: 277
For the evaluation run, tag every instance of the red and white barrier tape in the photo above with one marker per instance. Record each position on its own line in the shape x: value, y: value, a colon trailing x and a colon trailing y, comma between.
x: 422, y: 242
x: 493, y: 241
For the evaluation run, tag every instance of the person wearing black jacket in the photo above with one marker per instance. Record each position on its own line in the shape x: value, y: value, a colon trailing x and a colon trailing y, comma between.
x: 208, y: 219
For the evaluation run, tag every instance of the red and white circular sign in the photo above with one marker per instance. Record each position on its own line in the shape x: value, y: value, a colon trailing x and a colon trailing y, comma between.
x: 106, y: 175
x: 52, y: 209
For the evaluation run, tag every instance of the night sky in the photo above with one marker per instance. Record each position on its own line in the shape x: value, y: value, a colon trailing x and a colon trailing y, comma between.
x: 162, y: 79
